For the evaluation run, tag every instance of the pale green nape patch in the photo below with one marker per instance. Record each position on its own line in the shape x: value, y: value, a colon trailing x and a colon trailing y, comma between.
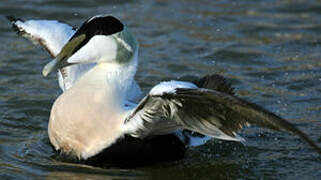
x: 126, y: 46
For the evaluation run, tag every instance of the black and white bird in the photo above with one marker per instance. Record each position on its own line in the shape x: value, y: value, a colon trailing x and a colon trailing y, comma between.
x: 102, y: 114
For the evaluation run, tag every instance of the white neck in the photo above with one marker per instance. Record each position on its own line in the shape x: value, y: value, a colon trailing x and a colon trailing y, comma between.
x: 95, y: 106
x: 108, y: 80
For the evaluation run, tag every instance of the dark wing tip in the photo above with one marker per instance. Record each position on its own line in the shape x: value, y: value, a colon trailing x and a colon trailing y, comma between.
x: 13, y: 19
x: 15, y: 28
x: 215, y: 82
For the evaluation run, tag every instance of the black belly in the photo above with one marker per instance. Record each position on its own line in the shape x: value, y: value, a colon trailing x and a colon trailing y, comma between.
x: 132, y: 152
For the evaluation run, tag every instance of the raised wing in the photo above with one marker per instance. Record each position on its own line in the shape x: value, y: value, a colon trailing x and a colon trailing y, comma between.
x: 51, y: 34
x: 205, y: 111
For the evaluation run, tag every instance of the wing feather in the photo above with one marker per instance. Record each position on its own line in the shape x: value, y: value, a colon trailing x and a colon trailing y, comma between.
x: 50, y: 34
x: 209, y: 112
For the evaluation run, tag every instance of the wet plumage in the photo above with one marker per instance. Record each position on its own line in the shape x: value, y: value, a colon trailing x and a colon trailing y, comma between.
x: 100, y: 104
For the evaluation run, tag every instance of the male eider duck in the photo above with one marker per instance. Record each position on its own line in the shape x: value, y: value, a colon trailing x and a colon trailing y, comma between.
x: 101, y: 113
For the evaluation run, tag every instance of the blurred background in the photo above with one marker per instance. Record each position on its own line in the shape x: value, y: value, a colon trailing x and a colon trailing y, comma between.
x: 269, y: 50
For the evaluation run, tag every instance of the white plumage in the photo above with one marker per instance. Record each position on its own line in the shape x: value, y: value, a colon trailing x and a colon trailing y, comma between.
x: 99, y: 106
x: 170, y: 86
x: 53, y: 34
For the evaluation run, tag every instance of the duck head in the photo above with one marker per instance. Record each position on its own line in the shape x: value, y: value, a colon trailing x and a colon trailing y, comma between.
x: 102, y: 38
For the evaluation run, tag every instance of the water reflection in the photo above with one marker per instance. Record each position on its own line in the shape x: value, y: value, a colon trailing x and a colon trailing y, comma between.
x: 269, y: 50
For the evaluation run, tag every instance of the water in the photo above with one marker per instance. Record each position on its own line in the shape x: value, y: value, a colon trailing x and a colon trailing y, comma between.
x: 269, y: 50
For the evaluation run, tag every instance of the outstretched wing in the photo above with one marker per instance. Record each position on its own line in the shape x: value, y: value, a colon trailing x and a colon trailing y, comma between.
x: 51, y: 34
x: 205, y: 111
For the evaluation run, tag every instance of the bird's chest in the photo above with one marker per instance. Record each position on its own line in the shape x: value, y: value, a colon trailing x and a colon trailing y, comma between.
x: 82, y: 123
